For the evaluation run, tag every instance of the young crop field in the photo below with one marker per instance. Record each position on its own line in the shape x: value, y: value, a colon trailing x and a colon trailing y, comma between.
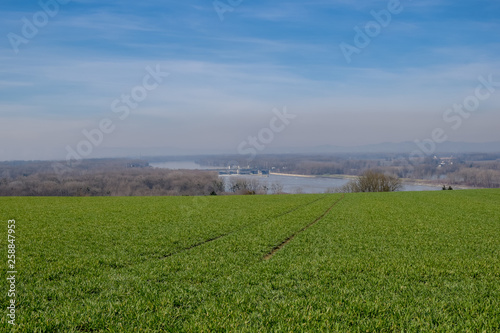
x: 367, y: 262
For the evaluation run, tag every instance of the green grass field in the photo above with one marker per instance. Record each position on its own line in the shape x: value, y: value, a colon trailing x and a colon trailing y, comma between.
x: 383, y: 262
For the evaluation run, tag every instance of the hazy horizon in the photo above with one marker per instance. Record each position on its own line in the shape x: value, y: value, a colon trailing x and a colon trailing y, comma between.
x: 86, y: 77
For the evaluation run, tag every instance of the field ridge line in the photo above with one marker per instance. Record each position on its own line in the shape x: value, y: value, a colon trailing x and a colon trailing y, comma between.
x: 289, y: 239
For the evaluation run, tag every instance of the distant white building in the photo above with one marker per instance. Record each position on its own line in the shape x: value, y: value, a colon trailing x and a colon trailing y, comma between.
x: 443, y: 161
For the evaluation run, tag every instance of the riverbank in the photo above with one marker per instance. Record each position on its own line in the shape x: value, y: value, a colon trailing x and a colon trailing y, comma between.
x: 314, y: 176
x: 291, y: 175
x: 436, y: 183
x: 405, y: 181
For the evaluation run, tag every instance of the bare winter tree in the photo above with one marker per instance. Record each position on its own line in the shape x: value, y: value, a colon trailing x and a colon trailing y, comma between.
x: 276, y: 188
x: 245, y: 186
x: 372, y: 181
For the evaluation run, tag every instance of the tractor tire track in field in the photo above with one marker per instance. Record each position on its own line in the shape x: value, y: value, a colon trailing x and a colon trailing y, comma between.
x: 195, y: 245
x: 289, y: 239
x: 239, y: 229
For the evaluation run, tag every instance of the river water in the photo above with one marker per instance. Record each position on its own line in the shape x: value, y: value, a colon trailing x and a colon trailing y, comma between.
x: 291, y: 184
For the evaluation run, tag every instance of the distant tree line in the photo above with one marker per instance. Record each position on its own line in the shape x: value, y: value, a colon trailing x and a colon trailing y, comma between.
x: 126, y: 177
x: 120, y: 177
x: 105, y: 178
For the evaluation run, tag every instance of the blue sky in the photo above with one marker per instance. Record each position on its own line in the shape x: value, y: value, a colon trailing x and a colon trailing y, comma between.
x: 226, y: 76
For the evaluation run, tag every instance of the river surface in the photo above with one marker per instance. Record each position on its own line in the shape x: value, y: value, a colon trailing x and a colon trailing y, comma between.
x: 291, y: 184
